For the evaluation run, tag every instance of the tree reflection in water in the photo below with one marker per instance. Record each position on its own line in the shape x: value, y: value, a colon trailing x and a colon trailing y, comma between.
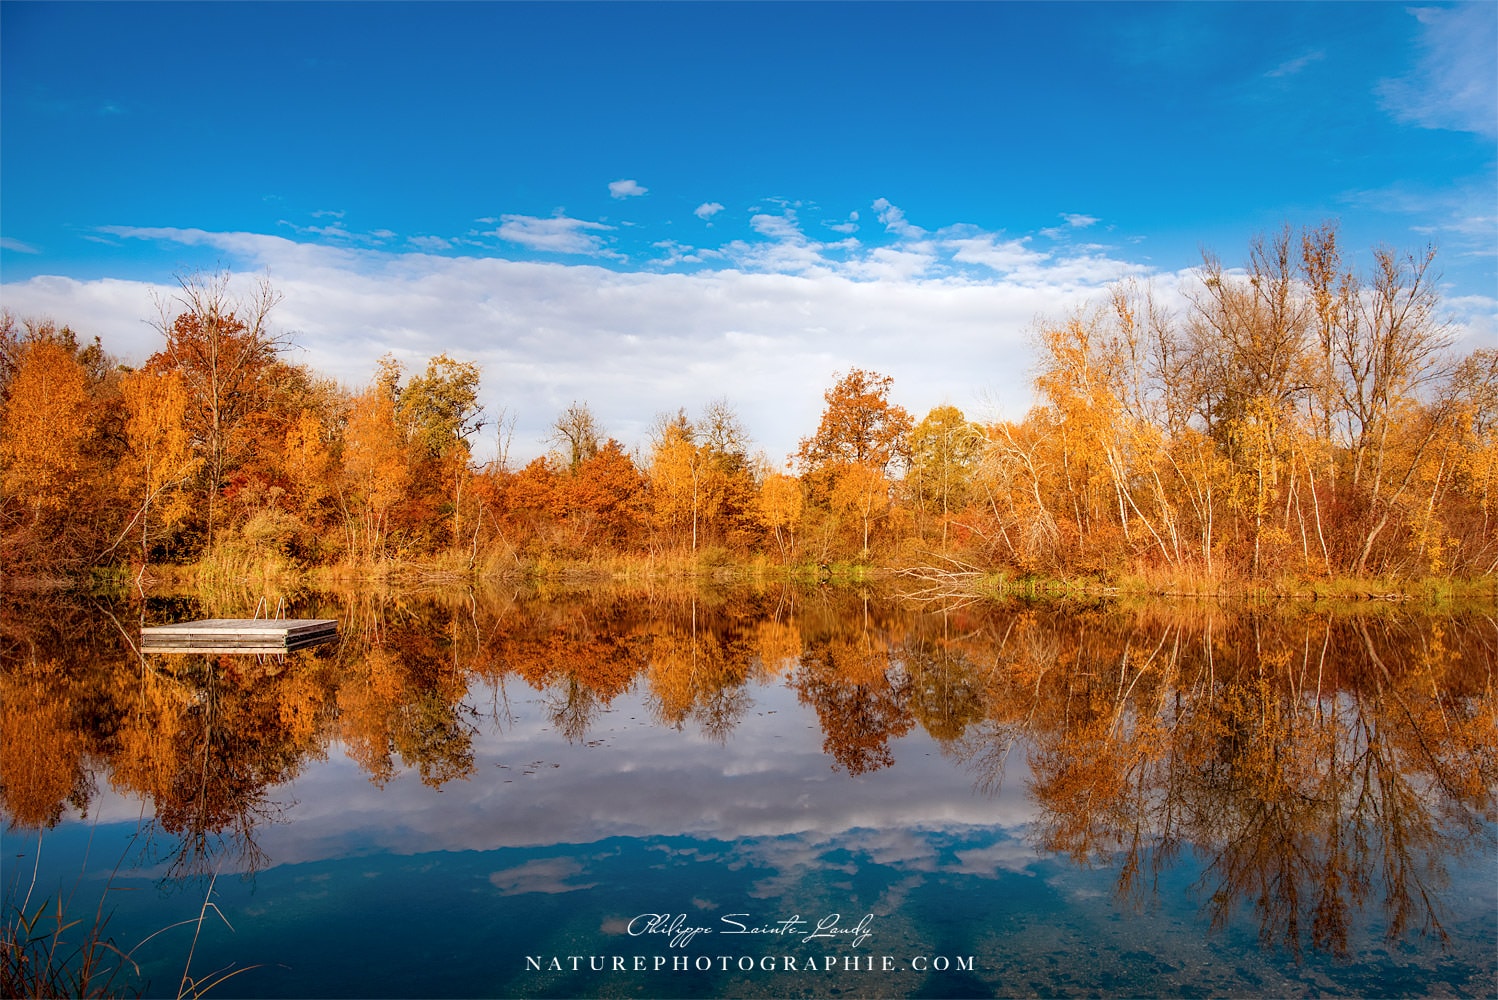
x: 1321, y: 766
x: 1285, y: 749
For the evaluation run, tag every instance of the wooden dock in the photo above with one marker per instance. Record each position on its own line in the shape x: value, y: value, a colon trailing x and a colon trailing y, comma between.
x: 238, y: 635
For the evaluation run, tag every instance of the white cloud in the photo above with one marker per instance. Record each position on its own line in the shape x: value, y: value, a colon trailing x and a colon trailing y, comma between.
x: 997, y: 254
x: 786, y: 249
x: 116, y: 311
x: 338, y: 231
x: 1453, y: 84
x: 1073, y: 221
x: 707, y: 210
x: 626, y: 189
x: 676, y: 254
x: 894, y: 220
x: 1292, y: 67
x: 848, y: 227
x: 891, y: 264
x: 779, y: 227
x: 557, y: 234
x: 7, y: 243
x: 1475, y: 321
x: 1458, y: 217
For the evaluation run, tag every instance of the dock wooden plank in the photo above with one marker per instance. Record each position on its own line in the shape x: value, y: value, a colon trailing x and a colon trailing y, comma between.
x: 229, y: 634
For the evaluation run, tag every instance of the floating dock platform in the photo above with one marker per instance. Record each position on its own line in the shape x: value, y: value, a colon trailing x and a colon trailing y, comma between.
x: 238, y: 635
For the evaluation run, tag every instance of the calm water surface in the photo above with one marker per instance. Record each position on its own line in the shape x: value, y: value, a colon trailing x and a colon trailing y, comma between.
x: 787, y: 793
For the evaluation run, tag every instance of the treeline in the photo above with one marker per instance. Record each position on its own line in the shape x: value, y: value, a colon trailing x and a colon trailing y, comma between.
x: 1298, y: 418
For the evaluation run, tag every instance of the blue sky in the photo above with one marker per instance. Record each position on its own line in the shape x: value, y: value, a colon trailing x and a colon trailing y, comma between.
x: 647, y: 207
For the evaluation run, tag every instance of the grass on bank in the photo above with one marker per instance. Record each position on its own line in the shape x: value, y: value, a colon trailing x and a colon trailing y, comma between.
x: 235, y: 569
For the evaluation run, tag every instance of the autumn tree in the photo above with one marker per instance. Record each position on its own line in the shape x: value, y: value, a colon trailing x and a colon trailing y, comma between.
x: 1473, y: 486
x: 222, y: 347
x: 778, y: 506
x: 1249, y: 336
x: 310, y: 463
x: 162, y: 460
x: 58, y: 444
x: 441, y: 411
x: 1016, y: 480
x: 526, y: 504
x: 700, y: 474
x: 859, y: 426
x: 575, y: 436
x: 944, y: 450
x: 861, y: 430
x: 1396, y: 347
x: 725, y: 444
x: 862, y: 493
x: 1296, y: 418
x: 1098, y: 448
x: 45, y: 419
x: 678, y: 492
x: 375, y: 472
x: 602, y: 502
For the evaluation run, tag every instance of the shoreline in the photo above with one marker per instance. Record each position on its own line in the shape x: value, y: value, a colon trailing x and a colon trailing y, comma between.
x: 922, y: 583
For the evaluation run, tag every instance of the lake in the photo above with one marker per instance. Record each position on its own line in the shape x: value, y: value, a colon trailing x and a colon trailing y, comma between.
x: 777, y: 792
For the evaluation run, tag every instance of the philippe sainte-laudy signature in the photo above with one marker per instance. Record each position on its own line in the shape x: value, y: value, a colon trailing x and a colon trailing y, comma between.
x: 680, y: 929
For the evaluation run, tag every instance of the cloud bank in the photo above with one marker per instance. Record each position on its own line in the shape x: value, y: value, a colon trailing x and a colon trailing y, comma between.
x: 1453, y: 84
x: 766, y: 321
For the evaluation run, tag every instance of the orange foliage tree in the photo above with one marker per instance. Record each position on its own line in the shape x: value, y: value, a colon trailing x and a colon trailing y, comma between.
x: 861, y: 441
x: 224, y: 351
x: 58, y: 446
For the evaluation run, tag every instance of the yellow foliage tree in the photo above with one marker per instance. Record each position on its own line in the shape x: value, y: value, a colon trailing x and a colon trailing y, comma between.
x: 779, y: 507
x: 376, y: 475
x: 680, y: 490
x: 161, y: 458
x: 44, y: 425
